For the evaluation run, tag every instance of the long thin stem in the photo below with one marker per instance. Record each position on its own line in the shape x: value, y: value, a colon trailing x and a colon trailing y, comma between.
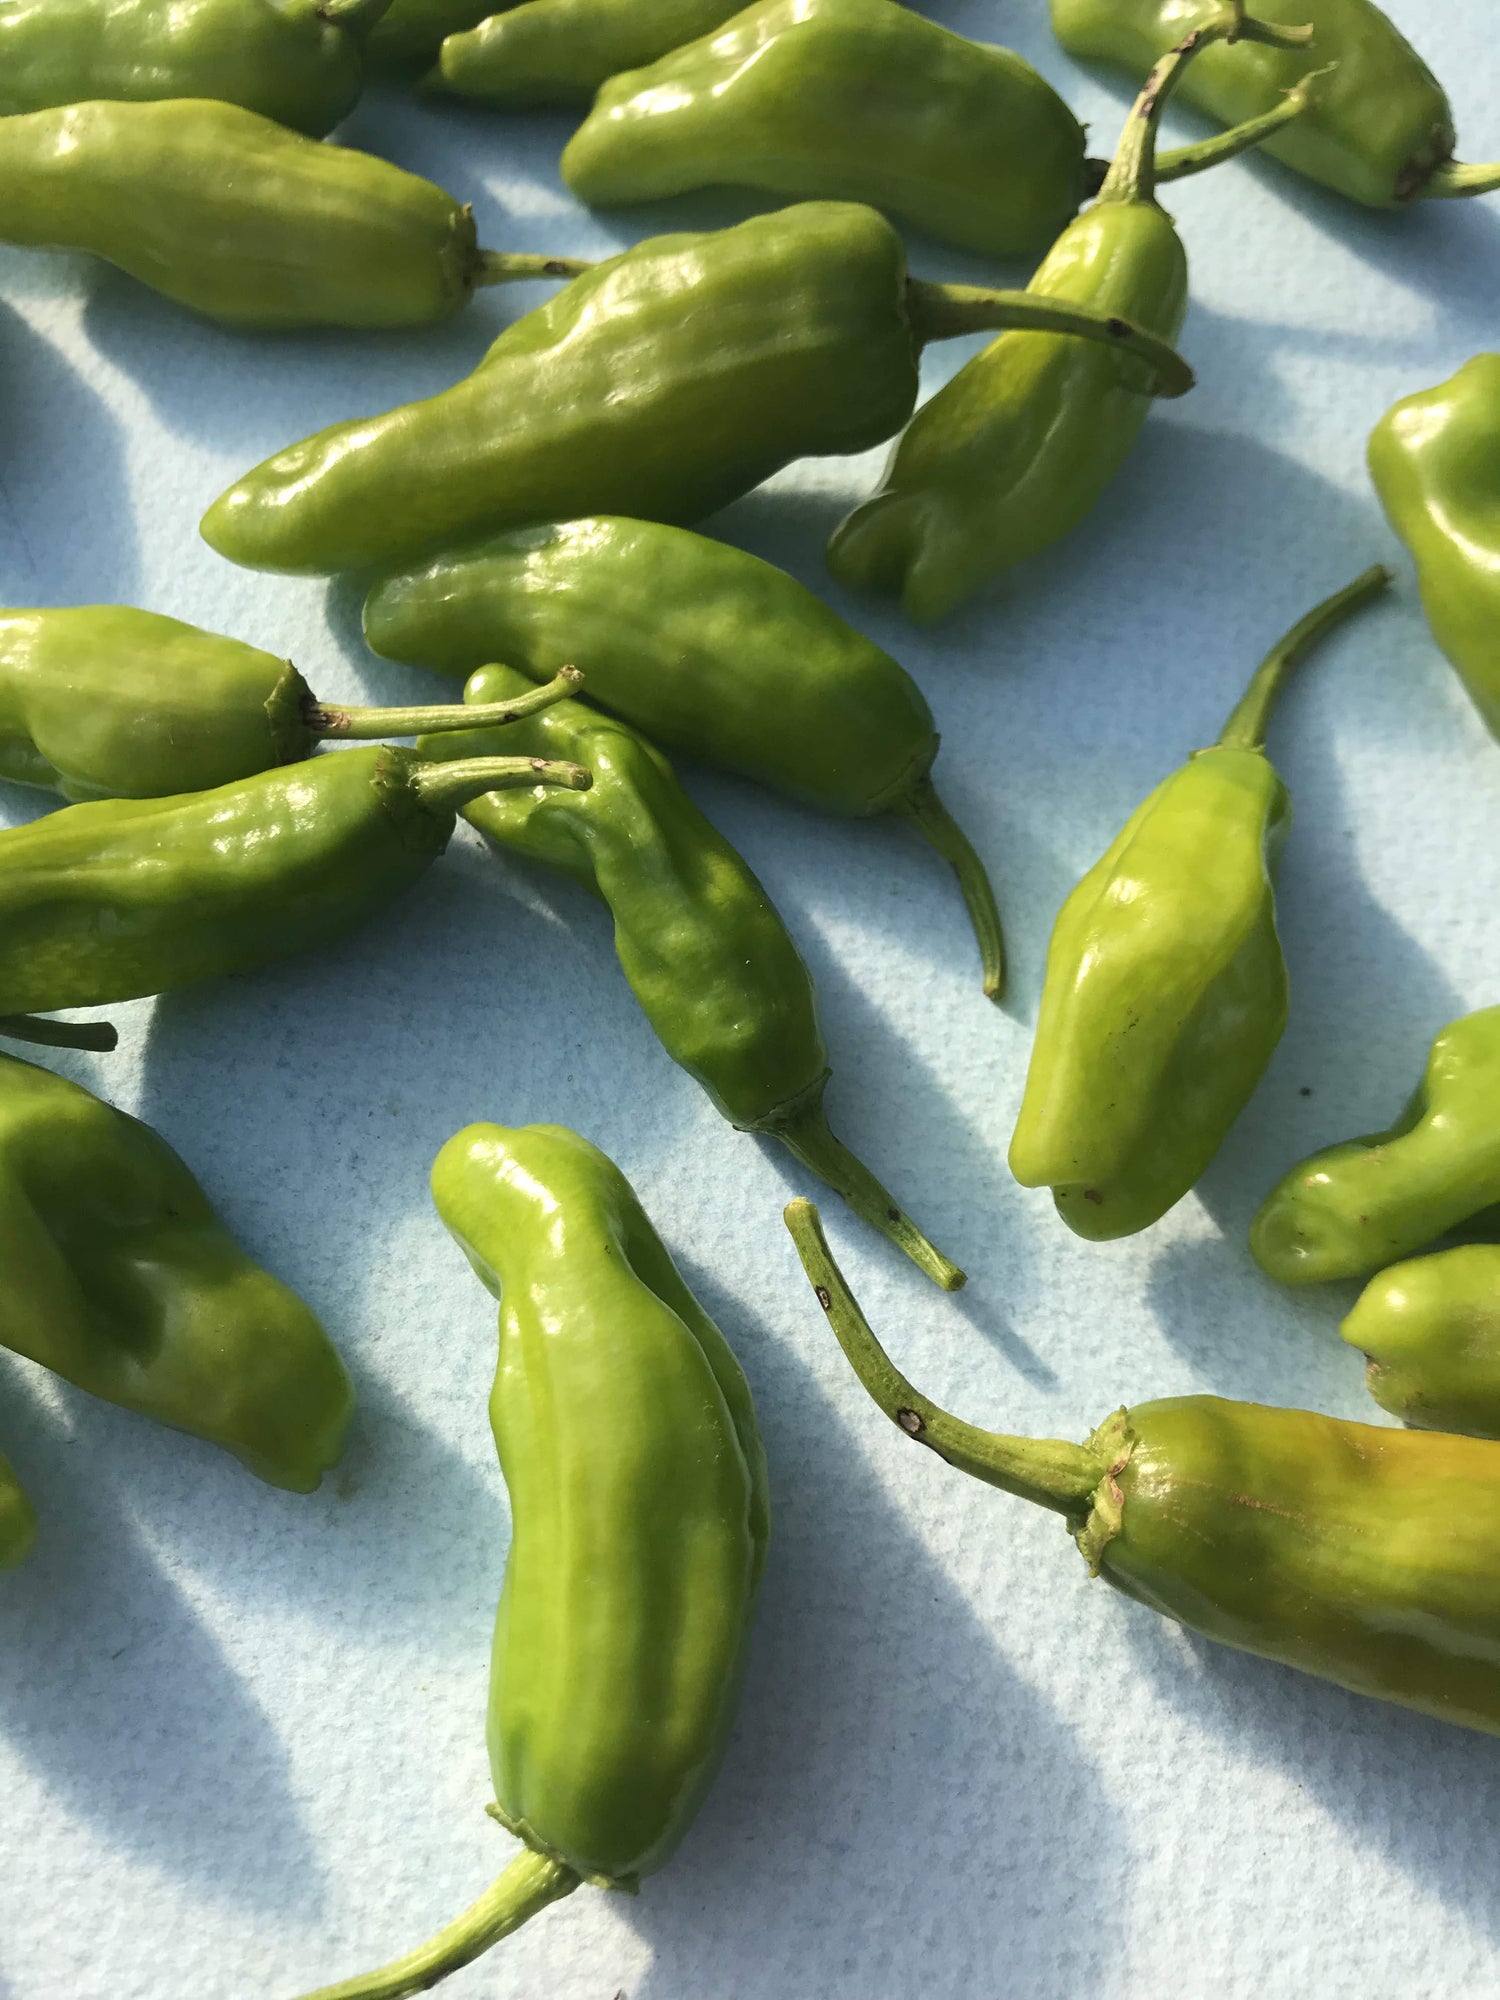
x: 510, y: 267
x: 366, y: 724
x: 450, y: 787
x: 1246, y: 727
x: 531, y: 1882
x: 1184, y: 161
x: 97, y: 1036
x: 1049, y: 1472
x: 921, y: 808
x: 1454, y: 181
x: 943, y: 312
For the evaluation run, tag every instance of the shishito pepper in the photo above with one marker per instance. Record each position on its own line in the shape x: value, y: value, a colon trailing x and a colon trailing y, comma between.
x: 663, y: 382
x: 244, y: 221
x: 1166, y: 989
x: 1381, y: 128
x: 116, y: 1273
x: 300, y: 62
x: 1360, y: 1555
x: 17, y: 1518
x: 1354, y: 1208
x: 410, y: 32
x: 1430, y: 1329
x: 1435, y: 460
x: 552, y: 51
x: 701, y: 943
x: 706, y: 649
x: 637, y: 1482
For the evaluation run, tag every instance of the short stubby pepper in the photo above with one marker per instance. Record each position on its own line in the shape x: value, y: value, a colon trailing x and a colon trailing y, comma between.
x: 118, y: 1276
x: 1430, y: 1331
x: 559, y: 52
x: 637, y: 1480
x: 1166, y: 989
x: 1435, y: 460
x: 701, y: 943
x: 1381, y: 128
x: 17, y: 1518
x: 122, y: 898
x: 1363, y: 1556
x: 104, y: 701
x: 709, y: 651
x: 1354, y: 1208
x: 237, y: 218
x: 300, y: 62
x: 1022, y: 443
x: 664, y: 382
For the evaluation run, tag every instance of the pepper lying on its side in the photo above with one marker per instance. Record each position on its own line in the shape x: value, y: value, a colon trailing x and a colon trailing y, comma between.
x: 554, y: 51
x: 1430, y: 1330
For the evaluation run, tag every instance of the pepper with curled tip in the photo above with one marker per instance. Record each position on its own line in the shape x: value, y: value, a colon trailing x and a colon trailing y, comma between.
x: 17, y: 1518
x: 1430, y: 1332
x: 1364, y: 1556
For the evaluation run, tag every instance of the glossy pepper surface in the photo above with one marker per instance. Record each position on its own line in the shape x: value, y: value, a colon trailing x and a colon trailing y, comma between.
x: 300, y: 62
x: 1430, y: 1330
x: 701, y: 943
x: 1380, y: 128
x: 1019, y: 446
x: 104, y: 701
x: 125, y: 897
x: 116, y: 1273
x: 1354, y: 1208
x: 243, y: 221
x: 1166, y: 989
x: 561, y: 51
x: 706, y: 649
x: 1361, y: 1555
x: 637, y: 1482
x: 17, y: 1518
x: 1435, y: 460
x: 409, y: 33
x: 664, y: 382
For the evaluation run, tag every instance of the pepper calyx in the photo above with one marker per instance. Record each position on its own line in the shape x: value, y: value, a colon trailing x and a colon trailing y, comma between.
x: 628, y: 1885
x: 1114, y: 1443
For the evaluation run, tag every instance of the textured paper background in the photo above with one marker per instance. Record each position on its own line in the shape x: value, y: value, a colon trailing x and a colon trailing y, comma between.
x: 241, y: 1733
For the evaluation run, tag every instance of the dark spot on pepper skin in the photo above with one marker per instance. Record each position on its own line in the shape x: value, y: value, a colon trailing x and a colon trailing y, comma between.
x: 824, y: 1297
x: 911, y: 1423
x: 1093, y: 1195
x: 894, y: 1215
x: 1118, y: 330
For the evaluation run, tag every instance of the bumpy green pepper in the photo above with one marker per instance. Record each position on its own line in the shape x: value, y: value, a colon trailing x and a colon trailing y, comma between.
x: 1354, y: 1208
x: 116, y: 1273
x: 127, y: 897
x: 1166, y: 989
x: 706, y: 649
x: 297, y: 61
x: 561, y: 51
x: 664, y: 382
x: 243, y: 221
x: 1380, y: 130
x: 1363, y: 1556
x: 637, y: 1483
x: 410, y: 32
x: 104, y: 701
x: 702, y: 945
x: 1430, y: 1329
x: 1435, y: 460
x: 17, y: 1518
x: 1021, y: 444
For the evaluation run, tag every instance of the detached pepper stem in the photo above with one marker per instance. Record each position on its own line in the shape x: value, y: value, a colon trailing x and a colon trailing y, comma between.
x: 510, y: 267
x: 368, y: 724
x: 1185, y: 161
x: 100, y: 1037
x: 1246, y: 727
x: 1049, y: 1472
x: 450, y: 787
x: 922, y: 808
x: 1453, y: 181
x: 943, y: 312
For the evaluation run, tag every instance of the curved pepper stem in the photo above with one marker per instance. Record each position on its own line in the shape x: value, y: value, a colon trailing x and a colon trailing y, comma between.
x: 99, y: 1037
x: 1454, y: 181
x: 531, y: 1882
x: 922, y: 808
x: 509, y: 267
x: 451, y: 787
x: 1049, y: 1472
x: 1246, y: 727
x: 943, y: 312
x: 367, y: 724
x: 1184, y: 161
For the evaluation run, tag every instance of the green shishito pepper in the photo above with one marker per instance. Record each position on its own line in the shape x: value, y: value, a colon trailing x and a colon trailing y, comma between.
x: 1354, y: 1208
x: 1380, y: 131
x: 1360, y: 1555
x: 664, y: 382
x: 17, y: 1518
x: 1435, y: 460
x: 559, y: 52
x: 117, y: 1275
x: 409, y: 33
x: 709, y: 651
x: 1018, y: 447
x: 1166, y: 989
x: 297, y: 61
x: 239, y: 219
x: 1430, y: 1331
x: 703, y: 947
x: 637, y: 1482
x: 127, y: 897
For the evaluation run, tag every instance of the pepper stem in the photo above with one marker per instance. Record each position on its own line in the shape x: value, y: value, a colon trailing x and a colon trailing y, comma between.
x: 1185, y: 161
x: 943, y: 312
x: 531, y: 1882
x: 1454, y: 181
x: 1049, y: 1472
x: 921, y: 808
x: 451, y: 787
x: 98, y: 1036
x: 1246, y: 727
x: 509, y: 267
x: 1132, y: 173
x: 803, y: 1128
x: 365, y: 724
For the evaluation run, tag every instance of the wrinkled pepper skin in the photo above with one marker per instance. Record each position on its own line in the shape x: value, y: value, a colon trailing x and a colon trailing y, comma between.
x: 236, y: 218
x: 295, y: 61
x: 1354, y: 1208
x: 116, y: 1274
x: 17, y: 1518
x: 559, y: 52
x: 860, y: 100
x: 1430, y: 1329
x: 1435, y: 460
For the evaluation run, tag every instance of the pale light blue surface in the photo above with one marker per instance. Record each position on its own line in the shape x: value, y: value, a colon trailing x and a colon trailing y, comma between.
x: 241, y: 1732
